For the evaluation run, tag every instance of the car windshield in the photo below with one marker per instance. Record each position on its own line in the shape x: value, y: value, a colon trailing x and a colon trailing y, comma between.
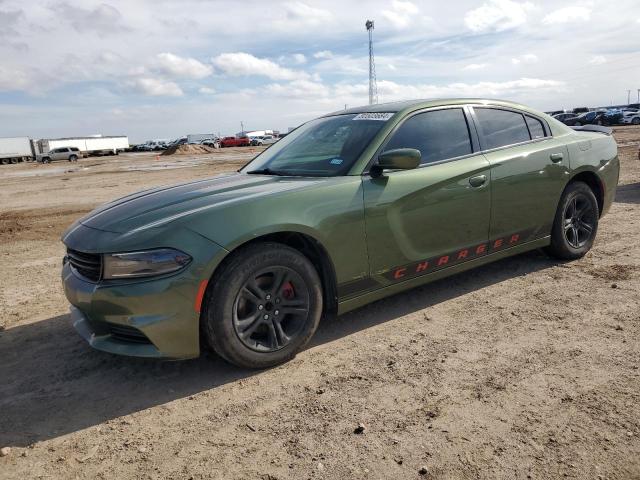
x: 324, y: 147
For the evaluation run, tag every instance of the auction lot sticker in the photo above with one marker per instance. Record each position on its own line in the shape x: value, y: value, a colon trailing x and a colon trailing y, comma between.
x: 383, y: 117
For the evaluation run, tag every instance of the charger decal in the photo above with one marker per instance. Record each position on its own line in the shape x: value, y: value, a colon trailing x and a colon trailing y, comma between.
x: 430, y: 265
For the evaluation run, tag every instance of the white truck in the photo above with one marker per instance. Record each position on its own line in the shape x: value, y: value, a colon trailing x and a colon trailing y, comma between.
x: 95, y: 145
x: 16, y: 149
x: 196, y: 138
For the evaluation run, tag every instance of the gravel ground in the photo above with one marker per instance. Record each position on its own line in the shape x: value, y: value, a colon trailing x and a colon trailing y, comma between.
x: 526, y: 368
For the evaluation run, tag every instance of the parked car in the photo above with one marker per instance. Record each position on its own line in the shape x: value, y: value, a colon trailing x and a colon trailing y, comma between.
x: 63, y: 153
x: 263, y: 140
x: 345, y: 210
x: 631, y: 117
x: 566, y: 118
x: 213, y: 143
x: 591, y: 118
x: 240, y: 141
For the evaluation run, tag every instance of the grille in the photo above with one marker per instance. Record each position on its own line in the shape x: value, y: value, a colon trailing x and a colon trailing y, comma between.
x: 126, y: 333
x: 89, y: 265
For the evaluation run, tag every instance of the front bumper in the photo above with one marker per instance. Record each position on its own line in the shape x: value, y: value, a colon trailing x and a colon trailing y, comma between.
x: 148, y: 317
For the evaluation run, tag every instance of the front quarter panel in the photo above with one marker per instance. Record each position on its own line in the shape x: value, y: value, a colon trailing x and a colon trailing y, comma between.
x: 330, y: 211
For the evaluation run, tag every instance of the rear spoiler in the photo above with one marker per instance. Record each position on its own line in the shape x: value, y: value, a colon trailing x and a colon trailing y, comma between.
x: 594, y: 128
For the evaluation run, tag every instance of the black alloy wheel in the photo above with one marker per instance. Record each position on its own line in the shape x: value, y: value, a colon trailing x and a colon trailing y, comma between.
x: 576, y: 222
x: 579, y: 221
x: 262, y: 305
x: 271, y: 309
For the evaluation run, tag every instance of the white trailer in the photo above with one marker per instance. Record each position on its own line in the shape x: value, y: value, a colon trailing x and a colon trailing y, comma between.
x: 97, y: 145
x: 16, y: 149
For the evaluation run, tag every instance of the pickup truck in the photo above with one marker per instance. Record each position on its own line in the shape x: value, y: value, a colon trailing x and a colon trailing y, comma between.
x: 242, y: 141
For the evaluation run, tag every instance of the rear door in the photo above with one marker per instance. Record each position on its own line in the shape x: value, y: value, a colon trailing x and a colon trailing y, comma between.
x: 61, y: 154
x: 528, y: 172
x: 437, y: 215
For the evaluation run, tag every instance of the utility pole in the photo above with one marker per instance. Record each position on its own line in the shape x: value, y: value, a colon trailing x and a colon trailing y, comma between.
x: 241, y: 127
x: 628, y: 97
x: 639, y: 95
x: 373, y: 84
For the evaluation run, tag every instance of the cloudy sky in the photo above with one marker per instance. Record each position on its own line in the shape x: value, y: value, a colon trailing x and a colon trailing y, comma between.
x: 164, y: 68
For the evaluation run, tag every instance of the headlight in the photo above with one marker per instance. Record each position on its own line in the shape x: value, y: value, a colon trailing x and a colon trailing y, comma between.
x: 143, y: 264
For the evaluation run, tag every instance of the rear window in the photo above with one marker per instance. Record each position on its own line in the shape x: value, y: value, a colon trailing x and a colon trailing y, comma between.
x: 438, y: 134
x: 501, y: 127
x: 535, y: 127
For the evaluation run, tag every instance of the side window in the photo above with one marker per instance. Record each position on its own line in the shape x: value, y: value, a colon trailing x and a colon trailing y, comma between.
x: 501, y: 127
x: 535, y: 127
x: 439, y: 135
x: 63, y: 150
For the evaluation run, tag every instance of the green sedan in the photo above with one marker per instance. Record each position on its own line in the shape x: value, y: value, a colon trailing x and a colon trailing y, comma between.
x: 345, y: 210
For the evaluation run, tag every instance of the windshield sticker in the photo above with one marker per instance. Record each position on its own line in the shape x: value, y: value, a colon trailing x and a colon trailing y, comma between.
x: 336, y: 161
x: 383, y: 117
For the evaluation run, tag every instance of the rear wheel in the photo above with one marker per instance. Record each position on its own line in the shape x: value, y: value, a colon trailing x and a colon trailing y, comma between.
x: 636, y: 121
x: 264, y: 306
x: 73, y: 158
x: 4, y: 161
x: 576, y: 222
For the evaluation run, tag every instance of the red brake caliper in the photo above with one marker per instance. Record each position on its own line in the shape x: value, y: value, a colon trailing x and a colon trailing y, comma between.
x: 287, y: 291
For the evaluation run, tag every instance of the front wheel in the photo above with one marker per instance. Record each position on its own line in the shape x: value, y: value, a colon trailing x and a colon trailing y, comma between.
x: 575, y: 224
x: 263, y: 306
x: 636, y: 121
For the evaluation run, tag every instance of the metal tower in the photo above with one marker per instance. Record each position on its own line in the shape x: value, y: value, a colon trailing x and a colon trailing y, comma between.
x: 373, y: 84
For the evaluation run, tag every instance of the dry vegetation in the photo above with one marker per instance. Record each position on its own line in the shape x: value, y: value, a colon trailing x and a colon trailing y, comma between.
x: 526, y: 368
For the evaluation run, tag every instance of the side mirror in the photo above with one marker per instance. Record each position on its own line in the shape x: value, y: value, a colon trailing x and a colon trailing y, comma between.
x: 397, y: 159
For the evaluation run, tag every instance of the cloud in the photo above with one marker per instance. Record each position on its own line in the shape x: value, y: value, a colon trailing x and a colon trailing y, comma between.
x: 155, y: 87
x: 104, y: 19
x: 497, y: 16
x: 298, y: 89
x: 476, y: 66
x: 299, y: 58
x: 14, y: 79
x: 302, y: 13
x: 245, y: 64
x: 176, y: 66
x: 325, y: 54
x: 527, y: 58
x: 390, y: 91
x: 207, y: 90
x: 401, y: 14
x: 568, y: 15
x: 598, y: 60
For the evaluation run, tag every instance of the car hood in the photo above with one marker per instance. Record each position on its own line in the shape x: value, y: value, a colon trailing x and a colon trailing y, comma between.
x: 159, y: 206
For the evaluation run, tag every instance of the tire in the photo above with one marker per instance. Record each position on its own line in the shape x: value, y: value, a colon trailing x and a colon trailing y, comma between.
x: 636, y: 121
x: 576, y: 222
x: 243, y: 318
x: 13, y: 161
x: 73, y: 158
x: 4, y: 161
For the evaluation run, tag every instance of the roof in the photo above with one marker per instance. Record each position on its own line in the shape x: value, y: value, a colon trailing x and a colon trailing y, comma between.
x: 394, y: 107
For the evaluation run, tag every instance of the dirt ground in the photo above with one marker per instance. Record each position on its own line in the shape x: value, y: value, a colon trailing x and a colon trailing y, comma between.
x: 526, y: 368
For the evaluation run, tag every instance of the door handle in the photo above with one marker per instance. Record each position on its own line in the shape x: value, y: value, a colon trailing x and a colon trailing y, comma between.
x: 478, y: 181
x: 556, y: 157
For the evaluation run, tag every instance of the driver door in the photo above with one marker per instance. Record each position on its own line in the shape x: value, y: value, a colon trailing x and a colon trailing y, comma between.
x: 437, y: 215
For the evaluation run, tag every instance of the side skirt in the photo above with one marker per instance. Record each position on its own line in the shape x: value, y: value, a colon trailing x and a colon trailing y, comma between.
x: 361, y: 300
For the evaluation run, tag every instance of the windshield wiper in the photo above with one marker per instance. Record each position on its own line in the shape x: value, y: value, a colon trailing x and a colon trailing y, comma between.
x: 267, y: 171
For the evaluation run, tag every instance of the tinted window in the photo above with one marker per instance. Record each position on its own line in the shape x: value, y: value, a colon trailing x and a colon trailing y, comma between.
x: 535, y: 127
x: 501, y: 127
x: 439, y: 135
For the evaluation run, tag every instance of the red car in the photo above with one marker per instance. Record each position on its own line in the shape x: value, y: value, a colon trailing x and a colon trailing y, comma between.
x: 242, y: 141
